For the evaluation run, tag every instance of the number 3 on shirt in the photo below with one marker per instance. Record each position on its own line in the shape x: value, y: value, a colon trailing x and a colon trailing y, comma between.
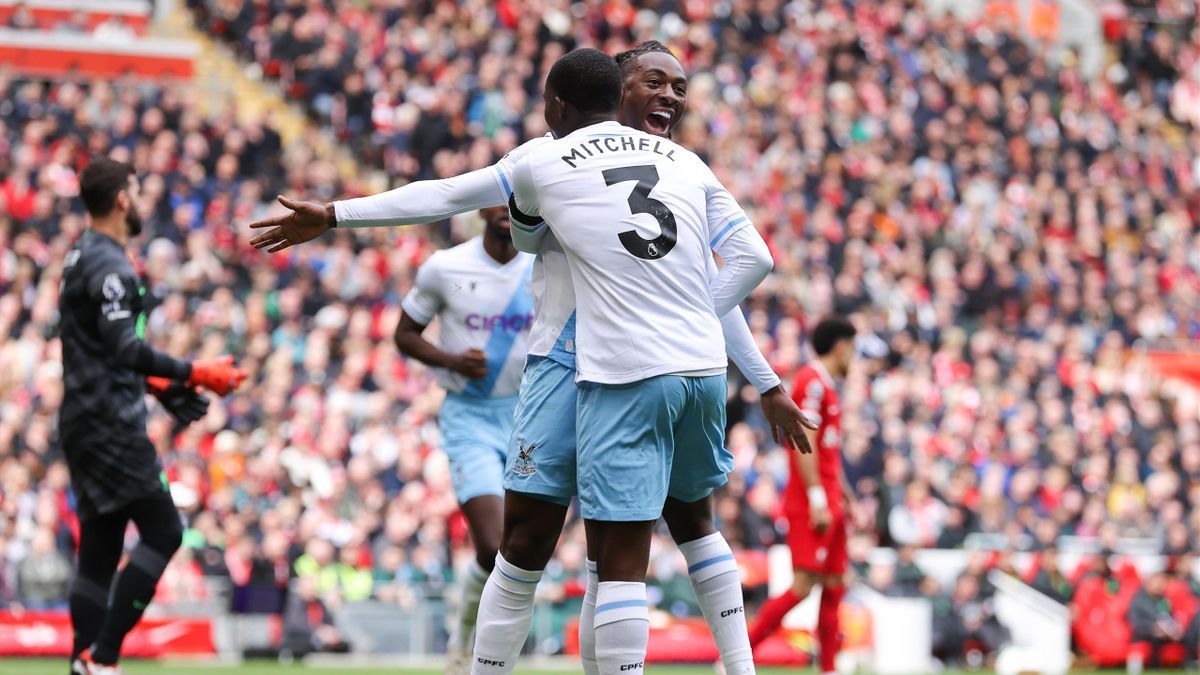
x: 640, y: 201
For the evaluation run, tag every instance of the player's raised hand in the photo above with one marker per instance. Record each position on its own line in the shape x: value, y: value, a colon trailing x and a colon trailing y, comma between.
x: 218, y: 375
x: 472, y: 363
x: 786, y: 420
x: 307, y: 221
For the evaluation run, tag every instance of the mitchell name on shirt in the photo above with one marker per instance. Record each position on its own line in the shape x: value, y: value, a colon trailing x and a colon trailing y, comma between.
x: 606, y: 144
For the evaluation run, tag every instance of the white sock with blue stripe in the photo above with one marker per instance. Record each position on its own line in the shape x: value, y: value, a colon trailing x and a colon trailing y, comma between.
x: 505, y: 611
x: 622, y: 626
x: 587, y: 622
x: 718, y: 587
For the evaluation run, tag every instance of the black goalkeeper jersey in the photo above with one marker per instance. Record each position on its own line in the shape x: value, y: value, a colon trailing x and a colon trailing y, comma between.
x: 102, y: 424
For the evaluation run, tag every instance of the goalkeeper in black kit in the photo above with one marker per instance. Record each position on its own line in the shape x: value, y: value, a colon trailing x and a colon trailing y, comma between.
x: 115, y: 471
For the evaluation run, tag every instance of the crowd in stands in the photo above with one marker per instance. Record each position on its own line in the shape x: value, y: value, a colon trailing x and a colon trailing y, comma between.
x: 1016, y: 234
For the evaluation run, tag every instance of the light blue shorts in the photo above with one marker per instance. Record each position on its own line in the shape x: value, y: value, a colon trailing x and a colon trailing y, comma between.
x: 541, y: 454
x: 642, y: 442
x: 475, y: 434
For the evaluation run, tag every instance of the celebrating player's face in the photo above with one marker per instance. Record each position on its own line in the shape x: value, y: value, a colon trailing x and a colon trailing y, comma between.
x: 654, y: 94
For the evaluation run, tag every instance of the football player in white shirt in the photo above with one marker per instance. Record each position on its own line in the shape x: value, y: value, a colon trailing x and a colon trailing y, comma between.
x: 541, y: 475
x: 480, y: 291
x: 635, y: 216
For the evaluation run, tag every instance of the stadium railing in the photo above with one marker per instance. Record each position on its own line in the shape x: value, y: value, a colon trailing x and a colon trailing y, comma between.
x: 55, y: 54
x: 1040, y: 629
x: 47, y: 14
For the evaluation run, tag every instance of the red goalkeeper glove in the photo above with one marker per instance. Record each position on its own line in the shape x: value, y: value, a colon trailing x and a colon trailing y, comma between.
x: 219, y: 375
x: 184, y: 403
x: 157, y: 385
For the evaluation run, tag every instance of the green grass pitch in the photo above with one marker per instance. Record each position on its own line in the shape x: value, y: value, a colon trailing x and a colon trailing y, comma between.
x: 59, y: 667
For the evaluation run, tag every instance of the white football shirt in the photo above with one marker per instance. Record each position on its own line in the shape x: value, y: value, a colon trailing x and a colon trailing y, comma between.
x: 553, y: 331
x: 636, y: 216
x: 483, y: 305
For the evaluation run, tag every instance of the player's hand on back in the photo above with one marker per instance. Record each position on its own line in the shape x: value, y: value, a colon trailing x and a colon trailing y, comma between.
x: 471, y: 363
x: 786, y: 420
x: 307, y: 221
x: 220, y: 375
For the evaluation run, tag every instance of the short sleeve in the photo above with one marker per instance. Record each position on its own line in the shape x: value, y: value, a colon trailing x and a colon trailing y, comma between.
x: 114, y: 290
x: 811, y: 392
x: 425, y: 299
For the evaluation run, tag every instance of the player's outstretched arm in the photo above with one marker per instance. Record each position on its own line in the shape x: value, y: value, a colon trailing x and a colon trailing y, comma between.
x: 417, y: 203
x: 304, y: 221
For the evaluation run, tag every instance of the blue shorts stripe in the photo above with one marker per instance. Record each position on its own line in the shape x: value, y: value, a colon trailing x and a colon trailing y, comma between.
x: 725, y: 230
x: 516, y: 579
x: 710, y: 562
x: 620, y: 604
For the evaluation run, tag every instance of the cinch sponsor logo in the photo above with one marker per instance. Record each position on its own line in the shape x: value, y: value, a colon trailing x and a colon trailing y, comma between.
x: 633, y: 666
x: 489, y: 662
x: 731, y: 612
x: 513, y: 323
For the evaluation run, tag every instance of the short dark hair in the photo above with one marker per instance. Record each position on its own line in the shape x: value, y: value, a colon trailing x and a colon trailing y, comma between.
x: 100, y: 182
x: 588, y: 79
x: 628, y: 59
x: 829, y: 332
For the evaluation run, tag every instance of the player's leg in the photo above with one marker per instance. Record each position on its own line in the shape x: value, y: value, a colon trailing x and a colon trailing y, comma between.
x: 474, y: 436
x: 531, y: 530
x: 539, y: 481
x: 484, y: 515
x: 770, y: 615
x: 101, y: 540
x: 701, y: 465
x: 808, y: 549
x: 833, y: 589
x: 587, y: 613
x: 626, y: 446
x: 160, y: 533
x: 621, y: 620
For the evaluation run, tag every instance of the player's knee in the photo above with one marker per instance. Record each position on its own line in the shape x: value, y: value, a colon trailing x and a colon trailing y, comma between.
x: 528, y: 549
x: 802, y: 584
x: 165, y: 541
x: 485, y: 557
x: 688, y: 521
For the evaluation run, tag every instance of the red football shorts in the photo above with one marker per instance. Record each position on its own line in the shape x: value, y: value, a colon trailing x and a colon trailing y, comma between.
x: 821, y: 553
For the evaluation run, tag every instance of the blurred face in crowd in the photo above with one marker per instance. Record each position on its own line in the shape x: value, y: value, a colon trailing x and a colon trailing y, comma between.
x: 654, y: 94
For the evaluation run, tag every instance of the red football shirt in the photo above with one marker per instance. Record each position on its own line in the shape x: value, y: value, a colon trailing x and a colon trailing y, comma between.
x: 816, y: 395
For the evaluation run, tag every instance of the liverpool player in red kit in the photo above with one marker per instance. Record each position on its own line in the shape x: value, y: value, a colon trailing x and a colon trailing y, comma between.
x: 816, y: 495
